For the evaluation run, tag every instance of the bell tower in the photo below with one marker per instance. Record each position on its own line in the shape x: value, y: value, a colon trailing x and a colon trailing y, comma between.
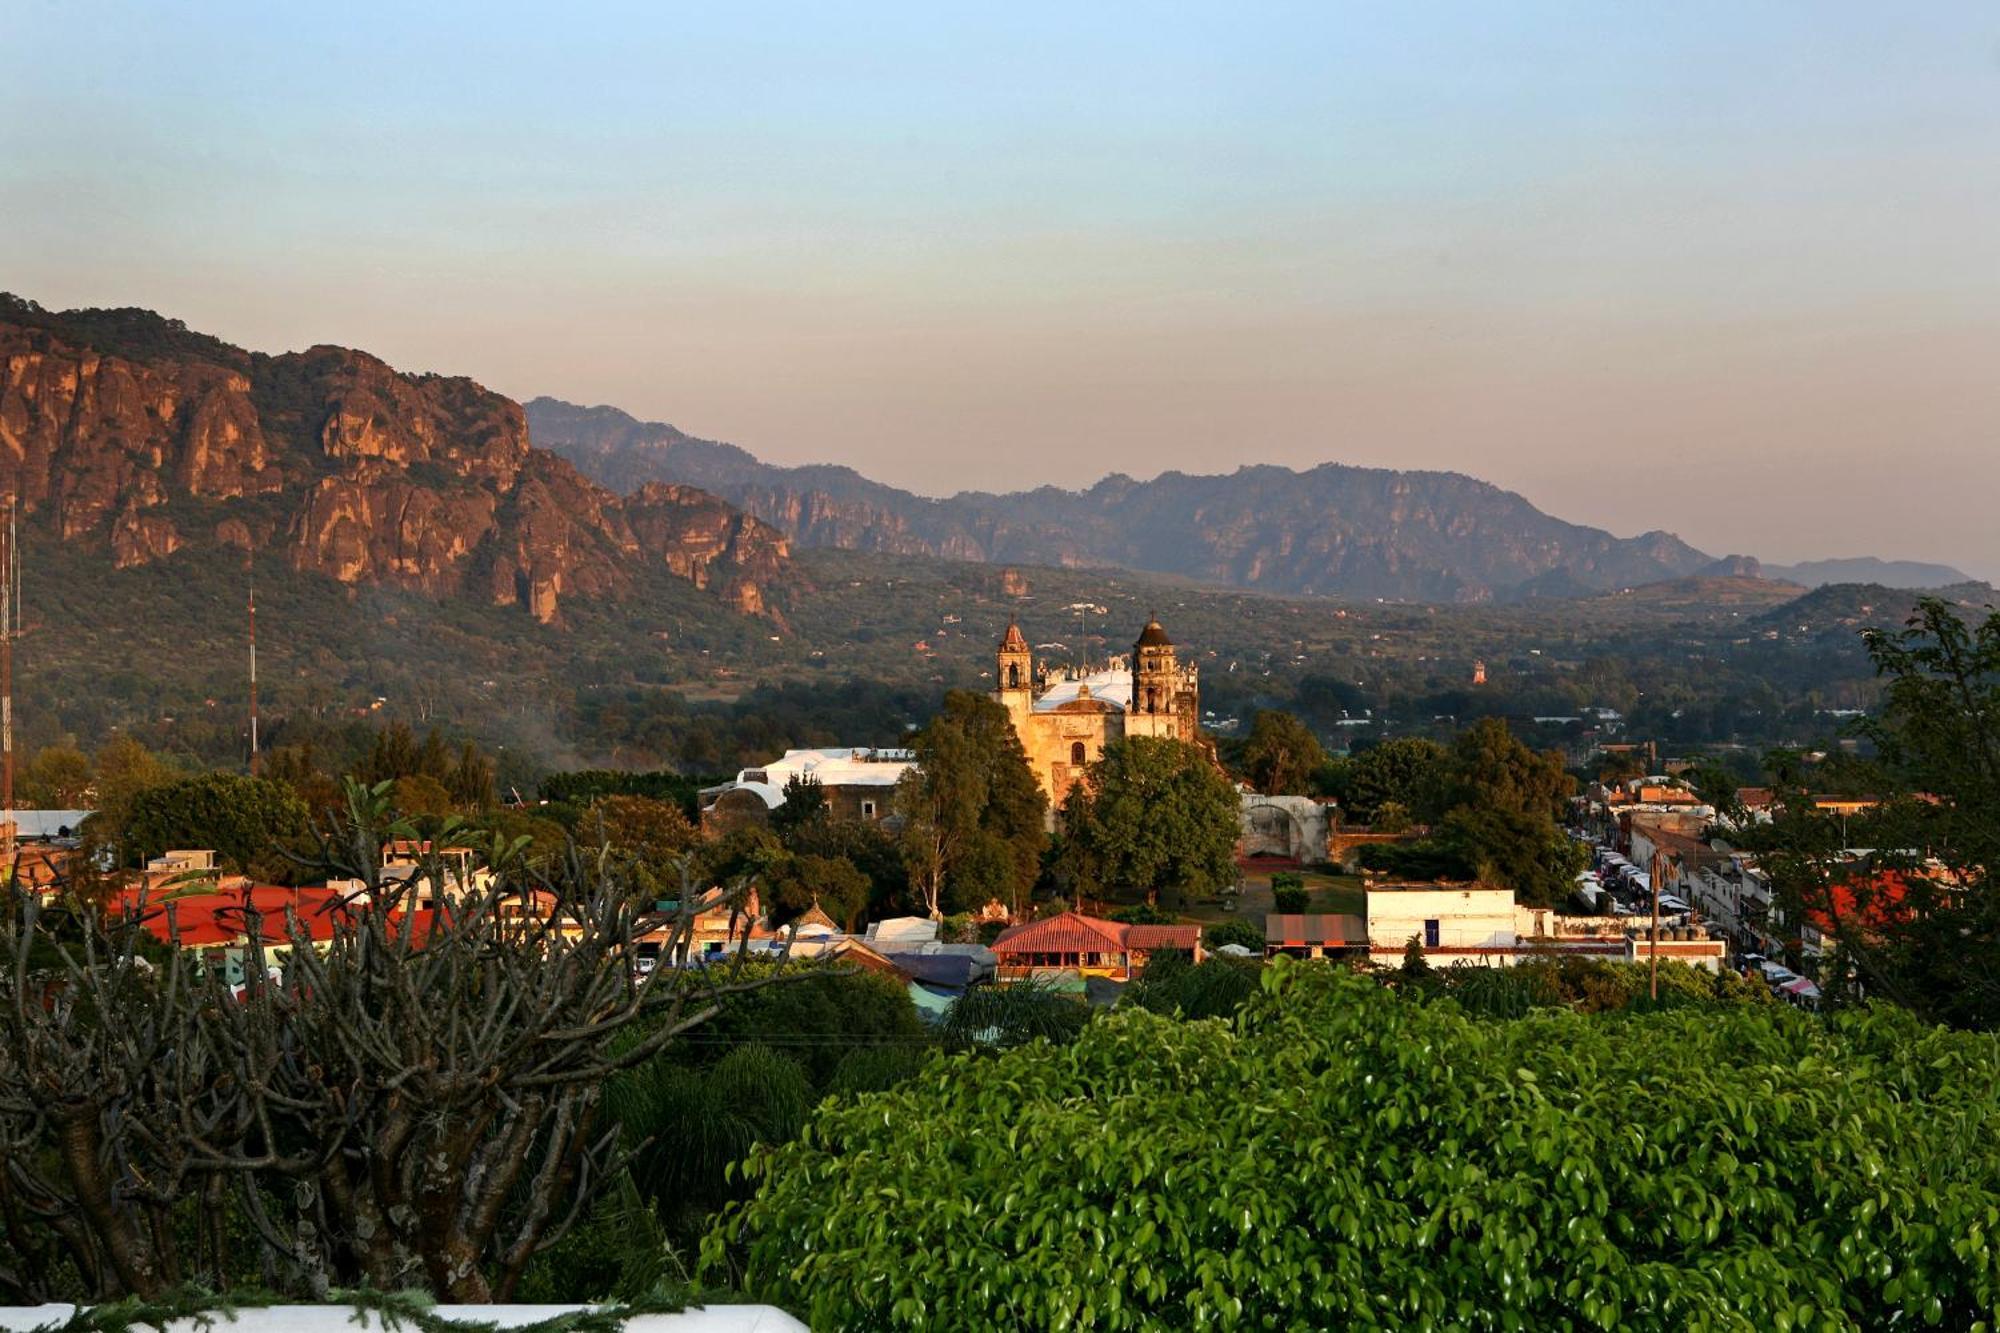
x: 1016, y: 664
x: 1155, y: 674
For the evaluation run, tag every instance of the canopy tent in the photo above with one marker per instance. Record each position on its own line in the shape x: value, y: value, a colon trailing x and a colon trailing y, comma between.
x: 1801, y: 988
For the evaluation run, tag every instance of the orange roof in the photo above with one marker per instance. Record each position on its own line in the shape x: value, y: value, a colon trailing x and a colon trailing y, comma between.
x: 196, y: 919
x: 1072, y: 932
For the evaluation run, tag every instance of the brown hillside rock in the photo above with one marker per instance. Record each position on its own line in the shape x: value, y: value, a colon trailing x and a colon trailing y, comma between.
x: 424, y: 482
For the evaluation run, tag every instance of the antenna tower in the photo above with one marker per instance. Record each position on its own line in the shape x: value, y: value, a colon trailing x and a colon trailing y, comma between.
x: 255, y: 758
x: 10, y: 626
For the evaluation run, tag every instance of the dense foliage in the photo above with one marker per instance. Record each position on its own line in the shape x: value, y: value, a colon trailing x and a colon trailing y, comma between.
x: 1155, y: 820
x: 972, y: 813
x: 1342, y: 1156
x: 1281, y: 757
x: 1914, y: 919
x: 1501, y: 804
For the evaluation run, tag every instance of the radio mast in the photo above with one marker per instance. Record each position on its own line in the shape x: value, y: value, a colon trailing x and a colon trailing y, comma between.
x: 10, y: 625
x: 254, y: 758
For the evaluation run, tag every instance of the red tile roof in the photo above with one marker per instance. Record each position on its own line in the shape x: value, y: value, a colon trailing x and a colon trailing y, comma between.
x: 1163, y: 937
x: 195, y: 919
x: 1072, y: 932
x: 1296, y: 930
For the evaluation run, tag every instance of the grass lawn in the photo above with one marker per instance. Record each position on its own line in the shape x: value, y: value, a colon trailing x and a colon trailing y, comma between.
x: 1330, y: 893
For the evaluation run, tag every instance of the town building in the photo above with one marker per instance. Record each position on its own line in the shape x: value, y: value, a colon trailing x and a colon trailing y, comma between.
x: 1066, y: 717
x: 1088, y: 946
x: 858, y: 783
x: 1478, y: 925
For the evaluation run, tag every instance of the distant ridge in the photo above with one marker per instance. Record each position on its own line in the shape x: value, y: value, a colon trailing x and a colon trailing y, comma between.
x: 1869, y: 569
x: 1334, y: 529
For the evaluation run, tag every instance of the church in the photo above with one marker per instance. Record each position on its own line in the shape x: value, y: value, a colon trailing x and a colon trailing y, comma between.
x: 1065, y: 718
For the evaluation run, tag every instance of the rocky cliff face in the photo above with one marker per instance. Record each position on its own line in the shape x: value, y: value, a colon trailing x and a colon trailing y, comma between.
x: 1433, y: 536
x: 125, y: 429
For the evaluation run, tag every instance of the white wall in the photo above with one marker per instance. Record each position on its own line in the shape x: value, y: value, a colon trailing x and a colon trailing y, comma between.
x: 1467, y: 918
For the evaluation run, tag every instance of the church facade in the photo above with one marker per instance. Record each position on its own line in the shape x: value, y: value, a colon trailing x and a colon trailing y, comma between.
x: 1065, y: 718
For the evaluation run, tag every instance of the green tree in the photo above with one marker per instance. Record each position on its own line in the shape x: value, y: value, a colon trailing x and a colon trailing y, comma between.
x: 1917, y: 922
x: 1407, y: 772
x: 1310, y: 1201
x: 1282, y: 755
x: 654, y: 831
x: 122, y: 768
x: 833, y: 884
x: 1504, y: 801
x: 1244, y: 933
x: 804, y: 803
x: 57, y: 778
x: 470, y: 780
x: 421, y: 794
x: 1154, y: 817
x: 973, y: 816
x: 242, y: 819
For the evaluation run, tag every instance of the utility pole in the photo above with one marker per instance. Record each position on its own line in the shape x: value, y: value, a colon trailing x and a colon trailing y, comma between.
x: 10, y: 621
x: 253, y: 663
x: 1658, y: 867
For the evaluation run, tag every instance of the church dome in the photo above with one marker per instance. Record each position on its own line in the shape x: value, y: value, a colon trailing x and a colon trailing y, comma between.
x: 1153, y: 636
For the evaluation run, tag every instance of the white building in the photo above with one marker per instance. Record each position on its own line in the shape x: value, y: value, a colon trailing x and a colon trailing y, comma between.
x: 1480, y: 925
x: 858, y: 783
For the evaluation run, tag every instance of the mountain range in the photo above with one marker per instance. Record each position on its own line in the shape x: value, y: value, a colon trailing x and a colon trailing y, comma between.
x: 125, y: 431
x: 1333, y: 529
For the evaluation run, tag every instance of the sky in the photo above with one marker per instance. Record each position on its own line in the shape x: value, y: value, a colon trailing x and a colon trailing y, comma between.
x: 1728, y: 269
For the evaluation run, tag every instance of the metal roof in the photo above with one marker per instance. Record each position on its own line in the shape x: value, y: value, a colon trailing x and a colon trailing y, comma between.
x: 1295, y: 929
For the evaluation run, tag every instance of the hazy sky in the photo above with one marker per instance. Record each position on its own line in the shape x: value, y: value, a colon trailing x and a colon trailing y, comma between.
x: 1730, y: 269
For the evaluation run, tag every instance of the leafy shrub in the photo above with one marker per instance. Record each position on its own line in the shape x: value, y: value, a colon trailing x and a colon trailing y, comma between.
x: 1408, y: 1165
x: 1013, y: 1015
x: 1142, y: 914
x: 1288, y: 892
x: 1233, y: 932
x: 1212, y: 988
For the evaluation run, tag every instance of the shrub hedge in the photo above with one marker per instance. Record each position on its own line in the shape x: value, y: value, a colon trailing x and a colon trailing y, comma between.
x: 1340, y: 1156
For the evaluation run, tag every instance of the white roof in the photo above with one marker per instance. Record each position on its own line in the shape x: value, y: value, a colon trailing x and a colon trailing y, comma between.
x: 33, y: 824
x: 852, y: 767
x: 1114, y: 686
x: 902, y: 930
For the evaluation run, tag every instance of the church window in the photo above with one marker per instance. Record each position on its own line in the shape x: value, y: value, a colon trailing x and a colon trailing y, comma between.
x: 1076, y: 754
x: 1014, y: 676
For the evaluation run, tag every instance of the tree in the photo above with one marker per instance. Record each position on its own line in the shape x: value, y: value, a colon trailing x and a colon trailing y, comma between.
x: 420, y: 794
x: 1155, y: 816
x: 973, y: 816
x: 1281, y: 755
x: 58, y: 778
x: 871, y: 850
x: 1237, y: 932
x: 799, y: 883
x: 1407, y: 772
x: 1917, y: 921
x: 656, y: 832
x: 242, y: 819
x: 804, y: 803
x: 122, y: 769
x: 1352, y: 1199
x: 471, y: 779
x: 1288, y: 893
x: 415, y: 1101
x: 1504, y: 801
